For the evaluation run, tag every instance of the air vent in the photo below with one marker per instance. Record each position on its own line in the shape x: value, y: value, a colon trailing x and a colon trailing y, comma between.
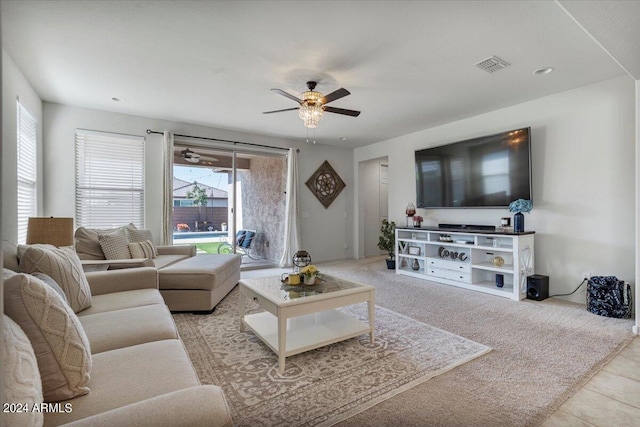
x: 492, y: 64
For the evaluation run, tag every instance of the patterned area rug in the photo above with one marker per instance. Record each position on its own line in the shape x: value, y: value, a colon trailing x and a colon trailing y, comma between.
x: 323, y: 386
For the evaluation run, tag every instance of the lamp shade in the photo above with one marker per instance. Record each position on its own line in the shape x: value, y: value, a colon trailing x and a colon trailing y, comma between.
x: 52, y: 231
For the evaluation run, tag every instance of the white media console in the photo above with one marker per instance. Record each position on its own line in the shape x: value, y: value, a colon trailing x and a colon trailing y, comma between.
x: 468, y: 259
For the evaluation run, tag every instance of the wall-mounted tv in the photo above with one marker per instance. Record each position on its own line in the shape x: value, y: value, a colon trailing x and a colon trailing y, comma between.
x: 485, y: 172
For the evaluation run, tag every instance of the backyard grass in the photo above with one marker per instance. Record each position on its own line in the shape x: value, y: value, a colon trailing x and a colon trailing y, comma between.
x: 210, y: 248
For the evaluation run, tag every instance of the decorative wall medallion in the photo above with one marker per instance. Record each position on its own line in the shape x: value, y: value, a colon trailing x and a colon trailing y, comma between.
x: 325, y: 184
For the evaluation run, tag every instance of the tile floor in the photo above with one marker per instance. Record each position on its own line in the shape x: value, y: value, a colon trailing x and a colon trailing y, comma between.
x: 610, y: 398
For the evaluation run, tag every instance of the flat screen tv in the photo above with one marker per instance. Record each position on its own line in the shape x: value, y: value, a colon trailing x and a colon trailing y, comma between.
x: 486, y: 172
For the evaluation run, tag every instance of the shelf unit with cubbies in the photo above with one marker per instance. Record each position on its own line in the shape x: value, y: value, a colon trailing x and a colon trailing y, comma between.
x: 468, y: 259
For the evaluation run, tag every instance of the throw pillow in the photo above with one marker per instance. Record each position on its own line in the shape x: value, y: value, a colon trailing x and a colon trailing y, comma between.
x: 47, y: 280
x: 88, y: 244
x: 58, y: 339
x: 115, y: 245
x: 64, y: 267
x: 21, y: 378
x: 142, y: 249
x: 6, y: 273
x: 139, y: 235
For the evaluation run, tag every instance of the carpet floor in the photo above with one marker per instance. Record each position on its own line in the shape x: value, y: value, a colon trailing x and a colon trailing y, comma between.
x: 543, y: 352
x: 323, y: 386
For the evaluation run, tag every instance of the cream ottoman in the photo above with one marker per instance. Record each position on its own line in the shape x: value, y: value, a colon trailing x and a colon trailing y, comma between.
x: 199, y: 283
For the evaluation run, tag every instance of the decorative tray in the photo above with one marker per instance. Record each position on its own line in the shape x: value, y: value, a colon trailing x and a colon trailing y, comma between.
x: 318, y: 281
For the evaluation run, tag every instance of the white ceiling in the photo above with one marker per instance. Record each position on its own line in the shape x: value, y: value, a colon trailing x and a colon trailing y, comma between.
x: 408, y: 65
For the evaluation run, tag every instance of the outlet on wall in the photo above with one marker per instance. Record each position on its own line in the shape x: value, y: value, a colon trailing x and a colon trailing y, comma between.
x: 586, y: 275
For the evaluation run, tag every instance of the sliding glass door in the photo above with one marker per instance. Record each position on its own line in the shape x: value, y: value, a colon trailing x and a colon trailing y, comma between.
x: 230, y: 201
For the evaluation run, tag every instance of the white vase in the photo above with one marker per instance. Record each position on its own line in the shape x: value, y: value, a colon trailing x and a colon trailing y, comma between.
x: 309, y: 280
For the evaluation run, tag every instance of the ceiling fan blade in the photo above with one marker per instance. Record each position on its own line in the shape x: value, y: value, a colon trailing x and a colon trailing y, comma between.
x: 288, y: 95
x: 336, y: 94
x: 343, y: 111
x: 279, y: 111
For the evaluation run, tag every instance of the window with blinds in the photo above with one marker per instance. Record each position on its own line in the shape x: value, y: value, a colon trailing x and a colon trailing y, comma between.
x: 109, y: 179
x: 27, y: 170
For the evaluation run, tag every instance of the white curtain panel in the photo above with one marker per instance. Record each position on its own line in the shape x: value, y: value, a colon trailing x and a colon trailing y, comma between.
x: 167, y: 190
x: 292, y: 224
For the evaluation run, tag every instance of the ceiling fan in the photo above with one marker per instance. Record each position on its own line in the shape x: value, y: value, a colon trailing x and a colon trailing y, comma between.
x: 193, y: 157
x: 313, y: 104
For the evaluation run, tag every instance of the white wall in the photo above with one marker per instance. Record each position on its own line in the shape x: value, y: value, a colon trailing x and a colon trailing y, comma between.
x: 583, y: 179
x: 324, y: 231
x: 15, y: 86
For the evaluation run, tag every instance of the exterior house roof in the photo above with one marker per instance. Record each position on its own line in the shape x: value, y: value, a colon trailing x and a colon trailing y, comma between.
x: 182, y: 187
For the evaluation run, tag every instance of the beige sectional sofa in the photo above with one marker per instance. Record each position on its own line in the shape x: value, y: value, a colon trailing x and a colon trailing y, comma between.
x: 140, y: 373
x: 187, y: 282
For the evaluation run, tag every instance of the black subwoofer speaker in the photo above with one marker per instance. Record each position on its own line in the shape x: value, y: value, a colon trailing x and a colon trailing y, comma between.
x: 538, y: 287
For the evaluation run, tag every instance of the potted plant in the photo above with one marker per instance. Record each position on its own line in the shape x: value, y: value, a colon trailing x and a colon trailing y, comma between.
x: 310, y: 272
x: 387, y: 242
x: 519, y: 206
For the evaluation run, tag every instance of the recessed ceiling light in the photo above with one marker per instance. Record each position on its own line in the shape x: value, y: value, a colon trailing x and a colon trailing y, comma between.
x: 343, y: 138
x: 117, y: 99
x: 543, y: 71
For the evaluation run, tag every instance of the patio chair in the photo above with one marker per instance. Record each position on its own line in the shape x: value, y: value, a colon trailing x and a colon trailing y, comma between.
x: 244, y: 245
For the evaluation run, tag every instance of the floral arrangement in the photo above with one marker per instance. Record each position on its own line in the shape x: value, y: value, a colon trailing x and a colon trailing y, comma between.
x: 309, y: 271
x: 521, y: 205
x: 417, y: 218
x: 182, y: 227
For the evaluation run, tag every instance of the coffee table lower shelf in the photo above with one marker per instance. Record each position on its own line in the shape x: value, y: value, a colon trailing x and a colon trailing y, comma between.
x: 306, y: 332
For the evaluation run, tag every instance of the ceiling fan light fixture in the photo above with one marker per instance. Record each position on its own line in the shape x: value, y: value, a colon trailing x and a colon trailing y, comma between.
x: 311, y: 111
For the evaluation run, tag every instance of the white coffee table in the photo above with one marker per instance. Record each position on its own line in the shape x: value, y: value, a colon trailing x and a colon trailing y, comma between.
x: 301, y: 318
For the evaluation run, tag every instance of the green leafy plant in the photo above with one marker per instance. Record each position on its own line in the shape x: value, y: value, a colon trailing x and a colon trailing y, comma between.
x: 198, y: 195
x: 387, y: 241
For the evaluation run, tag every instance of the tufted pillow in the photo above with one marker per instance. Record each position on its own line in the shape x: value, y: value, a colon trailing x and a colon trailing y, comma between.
x: 47, y: 280
x: 64, y: 267
x: 20, y: 375
x: 58, y: 339
x: 115, y: 245
x: 143, y: 250
x: 87, y: 243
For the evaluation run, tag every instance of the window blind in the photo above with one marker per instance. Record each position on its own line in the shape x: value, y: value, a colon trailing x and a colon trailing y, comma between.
x: 27, y: 170
x: 109, y: 179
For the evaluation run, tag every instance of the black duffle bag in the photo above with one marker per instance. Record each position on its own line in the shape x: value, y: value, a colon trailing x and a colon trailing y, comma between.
x: 608, y: 296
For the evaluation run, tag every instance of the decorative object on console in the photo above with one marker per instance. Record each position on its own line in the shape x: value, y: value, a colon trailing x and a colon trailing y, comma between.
x: 498, y: 261
x: 387, y: 242
x: 417, y: 221
x: 300, y: 260
x: 325, y: 184
x: 499, y: 280
x: 445, y: 253
x: 414, y: 250
x: 505, y: 221
x: 410, y: 211
x: 519, y: 206
x: 415, y: 265
x: 51, y: 231
x: 445, y: 238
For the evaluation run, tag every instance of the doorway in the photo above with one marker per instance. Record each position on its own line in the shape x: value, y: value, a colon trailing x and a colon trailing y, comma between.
x: 374, y: 196
x: 218, y: 192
